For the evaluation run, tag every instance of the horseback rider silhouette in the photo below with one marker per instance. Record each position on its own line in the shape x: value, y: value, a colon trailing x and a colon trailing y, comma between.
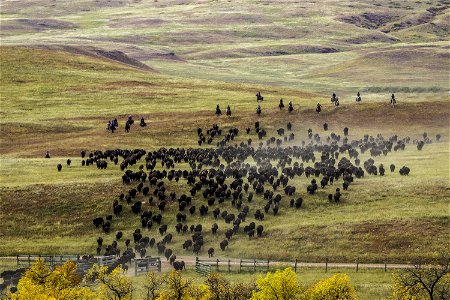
x: 258, y: 110
x: 334, y: 97
x: 393, y: 100
x: 259, y: 98
x: 290, y: 107
x: 130, y: 120
x: 228, y: 111
x: 281, y: 105
x: 318, y: 108
x: 358, y: 97
x: 218, y: 111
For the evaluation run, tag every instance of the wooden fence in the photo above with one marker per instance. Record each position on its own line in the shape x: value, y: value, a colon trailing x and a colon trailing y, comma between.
x: 51, y: 260
x: 202, y: 268
x: 106, y: 260
x: 144, y: 265
x: 57, y: 260
x: 254, y: 265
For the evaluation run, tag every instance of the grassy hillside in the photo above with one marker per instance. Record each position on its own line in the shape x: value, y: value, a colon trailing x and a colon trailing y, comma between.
x: 60, y: 101
x: 316, y: 45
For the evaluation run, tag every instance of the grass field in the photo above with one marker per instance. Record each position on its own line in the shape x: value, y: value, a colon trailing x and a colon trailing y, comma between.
x: 394, y: 218
x: 315, y: 45
x: 59, y: 86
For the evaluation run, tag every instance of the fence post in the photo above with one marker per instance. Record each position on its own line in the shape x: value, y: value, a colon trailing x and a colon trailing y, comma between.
x: 254, y: 265
x: 357, y: 266
x: 135, y: 268
x: 17, y: 257
x: 240, y: 265
x: 159, y: 265
x: 268, y: 262
x: 229, y: 266
x: 326, y: 264
x: 217, y: 265
x: 385, y: 267
x: 295, y: 266
x: 29, y: 260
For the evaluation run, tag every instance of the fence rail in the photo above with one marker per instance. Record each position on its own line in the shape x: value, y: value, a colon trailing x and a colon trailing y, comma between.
x: 202, y: 268
x: 254, y: 265
x: 57, y: 260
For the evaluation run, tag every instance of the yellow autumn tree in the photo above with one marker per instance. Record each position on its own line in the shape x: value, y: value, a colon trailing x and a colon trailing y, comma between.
x: 430, y: 282
x: 337, y: 287
x: 178, y: 287
x: 40, y: 282
x: 153, y: 285
x: 281, y: 285
x: 110, y: 286
x: 221, y: 289
x: 199, y: 292
x: 218, y: 286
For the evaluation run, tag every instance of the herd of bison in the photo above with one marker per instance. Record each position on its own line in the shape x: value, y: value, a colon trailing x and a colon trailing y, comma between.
x: 261, y: 176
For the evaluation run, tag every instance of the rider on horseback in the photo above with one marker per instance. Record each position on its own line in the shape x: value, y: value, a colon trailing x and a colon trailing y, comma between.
x: 358, y: 98
x: 334, y: 97
x: 281, y: 105
x: 290, y: 107
x: 393, y: 100
x: 228, y: 111
x: 258, y: 110
x: 318, y: 108
x: 218, y: 111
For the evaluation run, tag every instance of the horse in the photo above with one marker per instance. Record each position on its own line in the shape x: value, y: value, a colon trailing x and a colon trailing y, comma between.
x: 258, y: 110
x: 218, y: 111
x: 259, y: 98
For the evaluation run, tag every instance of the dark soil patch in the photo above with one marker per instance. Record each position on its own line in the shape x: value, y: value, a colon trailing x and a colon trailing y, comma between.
x: 36, y: 25
x: 136, y: 23
x: 372, y: 38
x: 369, y: 20
x: 115, y: 55
x: 43, y: 24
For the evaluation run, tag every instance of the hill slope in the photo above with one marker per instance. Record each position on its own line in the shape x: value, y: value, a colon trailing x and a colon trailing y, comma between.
x: 60, y: 101
x: 285, y: 43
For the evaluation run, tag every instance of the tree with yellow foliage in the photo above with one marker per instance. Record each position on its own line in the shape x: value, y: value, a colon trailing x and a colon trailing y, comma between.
x: 218, y: 286
x: 178, y: 288
x: 110, y: 286
x: 281, y: 285
x: 337, y: 287
x: 153, y: 285
x: 199, y: 292
x: 221, y: 289
x: 431, y: 282
x: 40, y: 282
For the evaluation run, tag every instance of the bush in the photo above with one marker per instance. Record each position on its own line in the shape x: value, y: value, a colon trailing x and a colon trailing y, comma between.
x: 281, y: 285
x: 337, y: 287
